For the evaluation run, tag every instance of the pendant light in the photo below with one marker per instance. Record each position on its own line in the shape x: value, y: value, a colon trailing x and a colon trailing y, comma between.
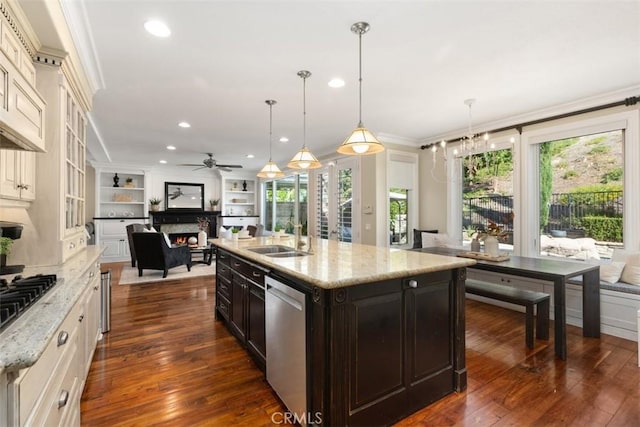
x: 361, y: 140
x: 304, y: 159
x: 270, y: 170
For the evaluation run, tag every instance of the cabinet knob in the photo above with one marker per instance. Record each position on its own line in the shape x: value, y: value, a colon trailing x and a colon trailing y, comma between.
x: 413, y: 283
x: 64, y: 398
x: 92, y: 273
x: 63, y: 336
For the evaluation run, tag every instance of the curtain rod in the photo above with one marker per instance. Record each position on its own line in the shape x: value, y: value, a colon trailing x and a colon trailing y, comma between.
x: 627, y: 102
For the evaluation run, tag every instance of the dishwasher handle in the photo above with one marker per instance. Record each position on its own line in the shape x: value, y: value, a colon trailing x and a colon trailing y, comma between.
x: 284, y: 298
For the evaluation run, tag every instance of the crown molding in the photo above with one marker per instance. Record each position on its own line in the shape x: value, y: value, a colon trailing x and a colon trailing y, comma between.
x: 15, y: 17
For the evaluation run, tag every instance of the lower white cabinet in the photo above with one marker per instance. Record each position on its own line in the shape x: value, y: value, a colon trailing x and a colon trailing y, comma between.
x: 48, y: 393
x: 111, y: 234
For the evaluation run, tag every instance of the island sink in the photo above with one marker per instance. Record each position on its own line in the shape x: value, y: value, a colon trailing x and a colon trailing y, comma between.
x: 271, y: 249
x: 277, y: 251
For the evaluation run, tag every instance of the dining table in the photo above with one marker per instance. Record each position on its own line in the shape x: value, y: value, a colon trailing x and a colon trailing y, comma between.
x: 551, y: 270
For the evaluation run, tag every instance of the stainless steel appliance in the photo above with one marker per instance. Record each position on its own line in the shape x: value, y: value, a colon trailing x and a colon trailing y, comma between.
x: 21, y: 293
x: 105, y: 301
x: 286, y: 346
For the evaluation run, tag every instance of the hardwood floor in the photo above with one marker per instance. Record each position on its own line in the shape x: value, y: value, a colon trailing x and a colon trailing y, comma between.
x: 166, y: 361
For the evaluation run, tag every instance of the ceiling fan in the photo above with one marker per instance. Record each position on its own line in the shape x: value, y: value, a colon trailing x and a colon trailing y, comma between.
x: 210, y: 162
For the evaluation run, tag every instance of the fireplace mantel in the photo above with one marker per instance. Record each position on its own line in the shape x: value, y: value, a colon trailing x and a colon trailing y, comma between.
x: 181, y: 216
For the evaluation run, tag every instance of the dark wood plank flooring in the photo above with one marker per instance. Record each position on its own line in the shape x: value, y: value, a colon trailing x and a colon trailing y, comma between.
x: 166, y: 361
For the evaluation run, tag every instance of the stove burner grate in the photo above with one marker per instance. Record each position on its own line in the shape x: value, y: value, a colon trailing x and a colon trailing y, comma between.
x: 20, y: 294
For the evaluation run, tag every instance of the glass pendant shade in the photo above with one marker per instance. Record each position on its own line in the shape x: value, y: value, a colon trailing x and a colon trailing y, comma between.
x: 304, y: 159
x: 270, y: 170
x: 361, y: 141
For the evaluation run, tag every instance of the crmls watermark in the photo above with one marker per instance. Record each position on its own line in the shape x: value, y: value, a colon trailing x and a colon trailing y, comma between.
x: 292, y: 418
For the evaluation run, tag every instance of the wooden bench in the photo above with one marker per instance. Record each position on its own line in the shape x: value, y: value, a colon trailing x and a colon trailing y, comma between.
x: 523, y: 297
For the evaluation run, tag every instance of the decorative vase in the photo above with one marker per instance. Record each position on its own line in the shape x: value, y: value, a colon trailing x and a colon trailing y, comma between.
x: 491, y: 246
x: 155, y: 208
x: 475, y: 245
x: 202, y: 238
x: 116, y: 179
x: 234, y: 236
x: 244, y: 185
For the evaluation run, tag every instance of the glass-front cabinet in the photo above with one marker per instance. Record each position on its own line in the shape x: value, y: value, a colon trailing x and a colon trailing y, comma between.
x: 61, y: 179
x: 75, y: 131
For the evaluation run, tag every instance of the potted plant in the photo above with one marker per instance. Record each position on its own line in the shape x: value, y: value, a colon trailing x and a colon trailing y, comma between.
x: 234, y: 233
x: 278, y: 230
x: 154, y: 204
x: 214, y: 204
x: 129, y: 183
x: 491, y: 238
x: 5, y: 249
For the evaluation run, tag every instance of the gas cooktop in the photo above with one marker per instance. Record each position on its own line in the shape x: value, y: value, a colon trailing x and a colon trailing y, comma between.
x: 20, y: 294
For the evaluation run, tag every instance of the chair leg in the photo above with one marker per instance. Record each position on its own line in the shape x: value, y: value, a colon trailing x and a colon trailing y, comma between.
x: 542, y: 320
x: 139, y: 272
x: 529, y: 325
x: 189, y: 267
x: 165, y: 273
x: 133, y: 263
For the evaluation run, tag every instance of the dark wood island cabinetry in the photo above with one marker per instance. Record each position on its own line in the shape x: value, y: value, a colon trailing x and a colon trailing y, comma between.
x: 377, y: 351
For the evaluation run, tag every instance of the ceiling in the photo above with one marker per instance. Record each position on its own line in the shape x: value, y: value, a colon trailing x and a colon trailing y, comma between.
x: 421, y: 60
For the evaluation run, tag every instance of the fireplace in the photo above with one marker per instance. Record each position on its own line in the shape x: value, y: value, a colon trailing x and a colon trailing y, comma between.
x: 183, y: 222
x: 181, y: 238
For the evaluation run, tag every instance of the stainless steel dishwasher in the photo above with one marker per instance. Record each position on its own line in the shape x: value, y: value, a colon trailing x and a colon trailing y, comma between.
x: 286, y: 346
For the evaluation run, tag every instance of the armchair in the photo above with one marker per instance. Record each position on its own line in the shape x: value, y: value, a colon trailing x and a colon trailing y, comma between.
x: 153, y: 253
x: 134, y: 228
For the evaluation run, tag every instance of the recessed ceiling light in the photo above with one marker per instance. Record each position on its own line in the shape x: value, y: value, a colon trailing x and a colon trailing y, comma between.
x: 163, y: 161
x: 184, y: 125
x: 170, y: 147
x: 284, y: 139
x: 250, y: 156
x: 335, y: 83
x: 157, y: 28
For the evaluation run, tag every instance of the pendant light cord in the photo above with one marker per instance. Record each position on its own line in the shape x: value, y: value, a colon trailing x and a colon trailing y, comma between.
x: 304, y: 112
x: 360, y: 79
x: 270, y: 129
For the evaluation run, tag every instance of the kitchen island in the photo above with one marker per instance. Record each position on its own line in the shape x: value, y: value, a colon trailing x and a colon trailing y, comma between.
x: 384, y: 327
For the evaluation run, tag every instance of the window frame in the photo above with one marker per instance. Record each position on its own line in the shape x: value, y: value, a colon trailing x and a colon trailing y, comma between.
x: 628, y: 122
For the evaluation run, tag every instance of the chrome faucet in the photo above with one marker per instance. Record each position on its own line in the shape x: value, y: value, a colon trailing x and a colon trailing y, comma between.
x: 297, y: 232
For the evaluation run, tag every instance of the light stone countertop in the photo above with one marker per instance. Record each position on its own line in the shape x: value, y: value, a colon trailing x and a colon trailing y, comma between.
x: 24, y: 340
x: 338, y: 264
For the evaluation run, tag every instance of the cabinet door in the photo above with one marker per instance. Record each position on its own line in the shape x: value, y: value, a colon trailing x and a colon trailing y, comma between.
x: 430, y: 349
x: 9, y: 174
x: 28, y: 175
x: 238, y: 300
x: 256, y: 331
x: 375, y: 333
x: 111, y: 248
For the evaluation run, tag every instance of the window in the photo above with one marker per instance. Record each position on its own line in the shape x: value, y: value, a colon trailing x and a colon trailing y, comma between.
x: 609, y: 159
x: 286, y: 203
x: 487, y: 194
x: 398, y: 216
x: 581, y: 195
x: 335, y: 202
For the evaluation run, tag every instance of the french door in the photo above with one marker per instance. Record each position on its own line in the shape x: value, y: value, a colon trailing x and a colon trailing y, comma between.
x: 336, y: 204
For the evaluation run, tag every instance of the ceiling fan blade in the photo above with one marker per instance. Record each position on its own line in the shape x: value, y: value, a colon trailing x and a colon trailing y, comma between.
x: 224, y: 169
x: 190, y: 164
x: 229, y: 166
x: 201, y: 167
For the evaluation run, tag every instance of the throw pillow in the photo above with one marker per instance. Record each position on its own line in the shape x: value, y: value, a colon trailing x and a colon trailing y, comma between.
x: 631, y: 272
x: 436, y: 239
x: 611, y: 272
x: 417, y: 237
x: 166, y: 239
